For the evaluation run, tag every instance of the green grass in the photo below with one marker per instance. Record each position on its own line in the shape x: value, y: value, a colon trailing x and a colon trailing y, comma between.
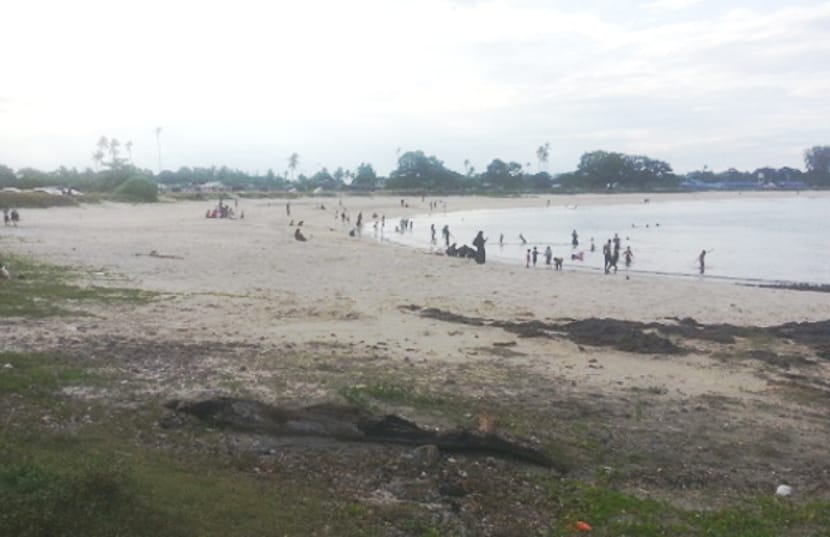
x: 60, y: 485
x: 43, y: 290
x: 613, y: 513
x: 98, y: 481
x: 367, y: 395
x: 34, y: 200
x: 39, y: 374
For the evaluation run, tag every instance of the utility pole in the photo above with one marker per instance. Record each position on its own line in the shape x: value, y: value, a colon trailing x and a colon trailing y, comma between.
x: 158, y: 144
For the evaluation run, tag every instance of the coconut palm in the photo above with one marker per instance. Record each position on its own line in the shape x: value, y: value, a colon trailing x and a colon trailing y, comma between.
x: 98, y: 158
x: 115, y: 147
x: 293, y: 161
x: 543, y: 153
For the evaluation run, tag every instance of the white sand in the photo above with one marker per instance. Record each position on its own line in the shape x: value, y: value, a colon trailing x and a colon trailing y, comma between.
x: 249, y: 280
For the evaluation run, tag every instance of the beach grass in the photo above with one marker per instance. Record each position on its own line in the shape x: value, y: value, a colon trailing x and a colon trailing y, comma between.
x: 369, y: 394
x: 116, y: 474
x: 91, y: 483
x: 42, y: 290
x: 86, y: 484
x: 611, y: 512
x: 38, y: 374
x: 35, y: 200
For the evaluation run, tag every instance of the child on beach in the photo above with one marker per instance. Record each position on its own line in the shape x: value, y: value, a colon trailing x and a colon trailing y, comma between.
x: 628, y: 254
x: 4, y: 272
x: 527, y: 259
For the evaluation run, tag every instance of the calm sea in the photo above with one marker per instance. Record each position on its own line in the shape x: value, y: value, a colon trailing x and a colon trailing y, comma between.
x: 756, y: 240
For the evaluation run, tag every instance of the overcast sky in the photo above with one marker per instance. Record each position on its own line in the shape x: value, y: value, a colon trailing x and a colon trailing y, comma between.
x: 244, y: 83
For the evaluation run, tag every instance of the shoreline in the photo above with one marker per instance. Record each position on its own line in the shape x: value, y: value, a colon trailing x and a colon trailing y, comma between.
x: 489, y: 215
x: 259, y: 255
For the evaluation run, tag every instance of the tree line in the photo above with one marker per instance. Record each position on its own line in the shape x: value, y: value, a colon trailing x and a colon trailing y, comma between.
x: 417, y: 171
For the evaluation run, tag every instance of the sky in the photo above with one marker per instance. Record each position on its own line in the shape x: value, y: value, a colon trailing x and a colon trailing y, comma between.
x: 246, y: 83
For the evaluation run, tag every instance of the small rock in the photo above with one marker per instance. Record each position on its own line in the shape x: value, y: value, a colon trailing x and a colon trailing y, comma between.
x: 428, y: 455
x: 171, y: 421
x: 783, y: 490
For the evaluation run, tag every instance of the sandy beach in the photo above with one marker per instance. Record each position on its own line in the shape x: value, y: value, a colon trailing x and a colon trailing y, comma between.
x: 252, y: 293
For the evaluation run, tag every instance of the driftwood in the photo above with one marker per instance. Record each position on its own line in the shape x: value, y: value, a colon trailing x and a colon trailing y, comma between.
x: 154, y: 253
x: 349, y: 423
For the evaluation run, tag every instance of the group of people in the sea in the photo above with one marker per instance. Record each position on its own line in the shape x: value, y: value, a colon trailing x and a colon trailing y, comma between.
x: 612, y: 250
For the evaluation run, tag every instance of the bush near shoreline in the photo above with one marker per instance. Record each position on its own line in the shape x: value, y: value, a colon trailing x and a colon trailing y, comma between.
x: 35, y: 200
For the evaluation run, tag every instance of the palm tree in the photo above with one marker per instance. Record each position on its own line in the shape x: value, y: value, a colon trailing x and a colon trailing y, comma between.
x: 293, y: 161
x: 542, y: 154
x: 129, y: 147
x: 98, y: 158
x: 115, y: 145
x: 103, y: 144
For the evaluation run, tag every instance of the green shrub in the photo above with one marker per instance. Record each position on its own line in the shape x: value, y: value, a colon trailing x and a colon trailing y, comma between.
x: 36, y: 200
x: 137, y: 190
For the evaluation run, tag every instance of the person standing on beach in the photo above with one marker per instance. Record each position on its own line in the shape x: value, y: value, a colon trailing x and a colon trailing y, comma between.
x: 287, y: 208
x: 548, y: 255
x: 535, y: 255
x: 701, y: 259
x: 501, y: 239
x: 574, y: 239
x: 432, y: 233
x: 445, y: 232
x: 615, y: 258
x: 606, y: 253
x: 593, y: 246
x: 4, y: 272
x: 527, y: 258
x: 478, y: 242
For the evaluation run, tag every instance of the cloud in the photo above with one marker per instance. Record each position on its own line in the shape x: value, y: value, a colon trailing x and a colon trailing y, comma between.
x: 669, y: 5
x: 468, y: 78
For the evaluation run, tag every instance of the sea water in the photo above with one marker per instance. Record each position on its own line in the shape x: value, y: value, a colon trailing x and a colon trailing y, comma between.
x: 764, y: 240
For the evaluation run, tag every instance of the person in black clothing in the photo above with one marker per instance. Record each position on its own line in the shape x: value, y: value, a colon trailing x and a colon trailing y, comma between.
x: 478, y: 242
x: 629, y: 255
x: 606, y: 253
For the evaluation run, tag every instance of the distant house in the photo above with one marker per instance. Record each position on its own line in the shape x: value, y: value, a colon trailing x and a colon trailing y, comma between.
x: 792, y: 185
x: 212, y: 186
x: 51, y: 190
x: 54, y: 191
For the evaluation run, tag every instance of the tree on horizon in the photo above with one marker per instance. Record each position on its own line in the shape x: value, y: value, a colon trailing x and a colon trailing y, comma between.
x: 293, y: 162
x: 542, y: 154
